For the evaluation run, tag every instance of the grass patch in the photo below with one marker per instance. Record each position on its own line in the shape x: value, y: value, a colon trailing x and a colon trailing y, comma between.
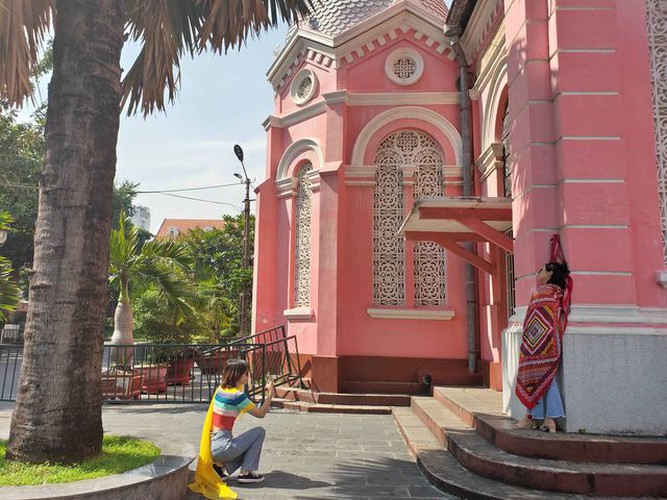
x: 119, y: 454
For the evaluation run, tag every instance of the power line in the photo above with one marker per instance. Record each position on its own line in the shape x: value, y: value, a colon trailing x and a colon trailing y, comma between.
x: 187, y: 189
x: 199, y: 199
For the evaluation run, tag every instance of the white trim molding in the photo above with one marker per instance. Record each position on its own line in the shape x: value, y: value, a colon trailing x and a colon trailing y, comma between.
x: 428, y: 314
x: 298, y: 313
x: 401, y: 113
x: 293, y: 151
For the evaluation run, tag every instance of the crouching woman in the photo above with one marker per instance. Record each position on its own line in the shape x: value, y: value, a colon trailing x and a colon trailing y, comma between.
x: 220, y: 453
x: 243, y: 451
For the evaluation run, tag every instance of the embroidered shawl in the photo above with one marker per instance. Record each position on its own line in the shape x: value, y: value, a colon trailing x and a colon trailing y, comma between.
x: 541, y: 344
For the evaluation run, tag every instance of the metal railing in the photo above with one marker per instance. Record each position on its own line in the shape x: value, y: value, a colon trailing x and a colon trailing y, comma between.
x: 177, y: 373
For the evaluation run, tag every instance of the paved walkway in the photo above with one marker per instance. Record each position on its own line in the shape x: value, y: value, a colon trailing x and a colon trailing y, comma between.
x: 306, y: 456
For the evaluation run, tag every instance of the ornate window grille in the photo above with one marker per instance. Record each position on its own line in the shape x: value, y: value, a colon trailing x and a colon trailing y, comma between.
x: 405, y: 149
x: 405, y: 68
x: 305, y: 88
x: 302, y: 240
x: 656, y: 16
x: 430, y: 270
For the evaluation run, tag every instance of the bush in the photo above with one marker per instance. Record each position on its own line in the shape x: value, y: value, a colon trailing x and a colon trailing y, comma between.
x: 154, y: 322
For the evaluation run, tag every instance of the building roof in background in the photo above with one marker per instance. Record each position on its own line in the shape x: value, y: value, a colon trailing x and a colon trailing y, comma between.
x: 332, y: 17
x: 173, y: 228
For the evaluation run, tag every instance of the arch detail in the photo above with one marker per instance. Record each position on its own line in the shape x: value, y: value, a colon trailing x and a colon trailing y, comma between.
x: 402, y: 113
x: 293, y: 152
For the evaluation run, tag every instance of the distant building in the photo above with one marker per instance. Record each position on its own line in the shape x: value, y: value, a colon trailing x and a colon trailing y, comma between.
x: 174, y: 228
x: 141, y: 217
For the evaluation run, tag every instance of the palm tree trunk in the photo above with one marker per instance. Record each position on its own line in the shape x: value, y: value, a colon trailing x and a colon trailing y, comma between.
x: 58, y: 415
x: 123, y: 329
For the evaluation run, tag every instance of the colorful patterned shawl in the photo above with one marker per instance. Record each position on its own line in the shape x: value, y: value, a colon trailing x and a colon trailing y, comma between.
x: 541, y: 345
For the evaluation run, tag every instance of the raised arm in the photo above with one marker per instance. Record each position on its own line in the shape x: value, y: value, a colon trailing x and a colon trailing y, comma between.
x: 261, y: 411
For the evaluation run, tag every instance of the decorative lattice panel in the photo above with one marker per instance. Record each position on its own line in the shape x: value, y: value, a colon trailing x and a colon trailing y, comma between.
x: 657, y: 38
x: 388, y: 251
x: 302, y: 240
x: 305, y: 87
x: 429, y: 258
x: 405, y: 149
x: 404, y: 68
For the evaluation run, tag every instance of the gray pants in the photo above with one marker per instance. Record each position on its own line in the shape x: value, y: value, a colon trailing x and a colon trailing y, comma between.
x: 241, y: 451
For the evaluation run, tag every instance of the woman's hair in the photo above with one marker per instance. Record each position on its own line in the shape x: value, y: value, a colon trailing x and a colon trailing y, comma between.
x: 234, y: 370
x: 559, y: 273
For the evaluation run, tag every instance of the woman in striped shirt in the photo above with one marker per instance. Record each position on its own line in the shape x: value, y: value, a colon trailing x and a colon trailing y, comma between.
x: 244, y: 450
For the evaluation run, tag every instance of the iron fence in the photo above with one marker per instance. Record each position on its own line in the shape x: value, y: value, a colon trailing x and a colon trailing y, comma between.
x: 177, y: 373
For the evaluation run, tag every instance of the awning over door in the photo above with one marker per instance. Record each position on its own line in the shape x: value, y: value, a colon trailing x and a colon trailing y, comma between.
x: 450, y: 220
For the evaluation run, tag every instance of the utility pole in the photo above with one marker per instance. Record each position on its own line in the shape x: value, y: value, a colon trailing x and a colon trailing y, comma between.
x: 245, y: 263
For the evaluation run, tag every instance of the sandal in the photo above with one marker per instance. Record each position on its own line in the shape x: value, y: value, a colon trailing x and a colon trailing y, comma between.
x: 549, y: 425
x: 526, y: 423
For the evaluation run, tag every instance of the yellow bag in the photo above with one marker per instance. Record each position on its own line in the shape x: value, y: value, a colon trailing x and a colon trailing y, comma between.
x: 206, y: 480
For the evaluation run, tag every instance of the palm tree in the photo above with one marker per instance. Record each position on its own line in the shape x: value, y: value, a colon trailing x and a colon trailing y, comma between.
x: 164, y: 263
x: 61, y: 372
x: 9, y: 290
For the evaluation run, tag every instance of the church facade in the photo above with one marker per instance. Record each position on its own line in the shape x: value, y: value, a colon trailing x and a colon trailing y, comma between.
x: 419, y: 161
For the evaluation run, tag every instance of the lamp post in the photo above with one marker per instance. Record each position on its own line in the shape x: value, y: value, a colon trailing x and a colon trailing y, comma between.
x: 243, y: 316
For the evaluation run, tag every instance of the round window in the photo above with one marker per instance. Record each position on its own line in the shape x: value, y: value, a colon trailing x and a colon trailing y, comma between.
x: 404, y: 66
x: 303, y: 86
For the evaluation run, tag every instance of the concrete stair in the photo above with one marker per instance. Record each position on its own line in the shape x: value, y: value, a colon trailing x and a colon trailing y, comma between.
x: 465, y: 446
x: 306, y: 400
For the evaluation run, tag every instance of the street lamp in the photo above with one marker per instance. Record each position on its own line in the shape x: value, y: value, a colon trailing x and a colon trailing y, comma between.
x: 3, y: 236
x: 243, y: 316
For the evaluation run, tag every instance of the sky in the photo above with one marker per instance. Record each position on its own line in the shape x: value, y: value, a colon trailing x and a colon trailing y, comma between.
x: 223, y: 101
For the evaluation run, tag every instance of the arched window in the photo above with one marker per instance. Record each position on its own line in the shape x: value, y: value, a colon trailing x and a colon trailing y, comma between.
x: 407, y: 150
x: 302, y: 239
x: 656, y: 18
x: 429, y: 258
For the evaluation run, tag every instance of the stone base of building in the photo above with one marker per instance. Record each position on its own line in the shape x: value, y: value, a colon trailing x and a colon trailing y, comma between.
x: 381, y: 374
x: 613, y: 378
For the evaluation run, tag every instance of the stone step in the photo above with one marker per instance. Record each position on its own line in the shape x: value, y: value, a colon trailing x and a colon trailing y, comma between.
x: 343, y: 398
x: 481, y: 409
x: 306, y: 406
x: 356, y: 409
x: 448, y: 475
x: 364, y: 399
x: 379, y: 387
x: 587, y: 478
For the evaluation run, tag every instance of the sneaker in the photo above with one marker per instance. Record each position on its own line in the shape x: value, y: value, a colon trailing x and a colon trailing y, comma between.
x: 250, y: 477
x: 221, y: 472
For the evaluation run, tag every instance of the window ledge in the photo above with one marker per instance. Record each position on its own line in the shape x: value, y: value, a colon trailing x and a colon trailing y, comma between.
x: 439, y: 314
x: 298, y: 313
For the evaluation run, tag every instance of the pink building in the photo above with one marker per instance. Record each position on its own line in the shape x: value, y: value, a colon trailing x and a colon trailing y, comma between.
x: 403, y: 221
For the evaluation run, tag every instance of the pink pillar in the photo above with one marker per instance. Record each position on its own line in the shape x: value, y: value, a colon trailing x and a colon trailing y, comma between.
x: 532, y: 139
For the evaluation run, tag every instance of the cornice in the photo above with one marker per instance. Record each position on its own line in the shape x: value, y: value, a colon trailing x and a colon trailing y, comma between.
x: 361, y: 99
x: 358, y: 42
x: 481, y: 23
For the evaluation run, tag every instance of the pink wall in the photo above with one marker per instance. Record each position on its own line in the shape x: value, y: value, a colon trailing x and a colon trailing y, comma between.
x: 341, y: 266
x: 581, y: 167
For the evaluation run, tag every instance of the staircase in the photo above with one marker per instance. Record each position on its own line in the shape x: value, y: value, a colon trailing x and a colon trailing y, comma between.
x: 465, y: 445
x: 306, y: 400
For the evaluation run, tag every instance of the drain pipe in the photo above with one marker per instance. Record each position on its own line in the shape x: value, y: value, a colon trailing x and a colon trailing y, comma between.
x: 466, y: 164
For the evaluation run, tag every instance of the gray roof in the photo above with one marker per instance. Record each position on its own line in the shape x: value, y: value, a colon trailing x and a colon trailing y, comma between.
x: 332, y: 17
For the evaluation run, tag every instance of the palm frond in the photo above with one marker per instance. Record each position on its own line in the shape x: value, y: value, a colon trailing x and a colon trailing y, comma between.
x: 168, y: 29
x: 9, y: 290
x: 24, y: 25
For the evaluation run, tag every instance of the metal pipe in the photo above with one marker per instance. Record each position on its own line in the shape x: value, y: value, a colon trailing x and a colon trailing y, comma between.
x: 466, y: 165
